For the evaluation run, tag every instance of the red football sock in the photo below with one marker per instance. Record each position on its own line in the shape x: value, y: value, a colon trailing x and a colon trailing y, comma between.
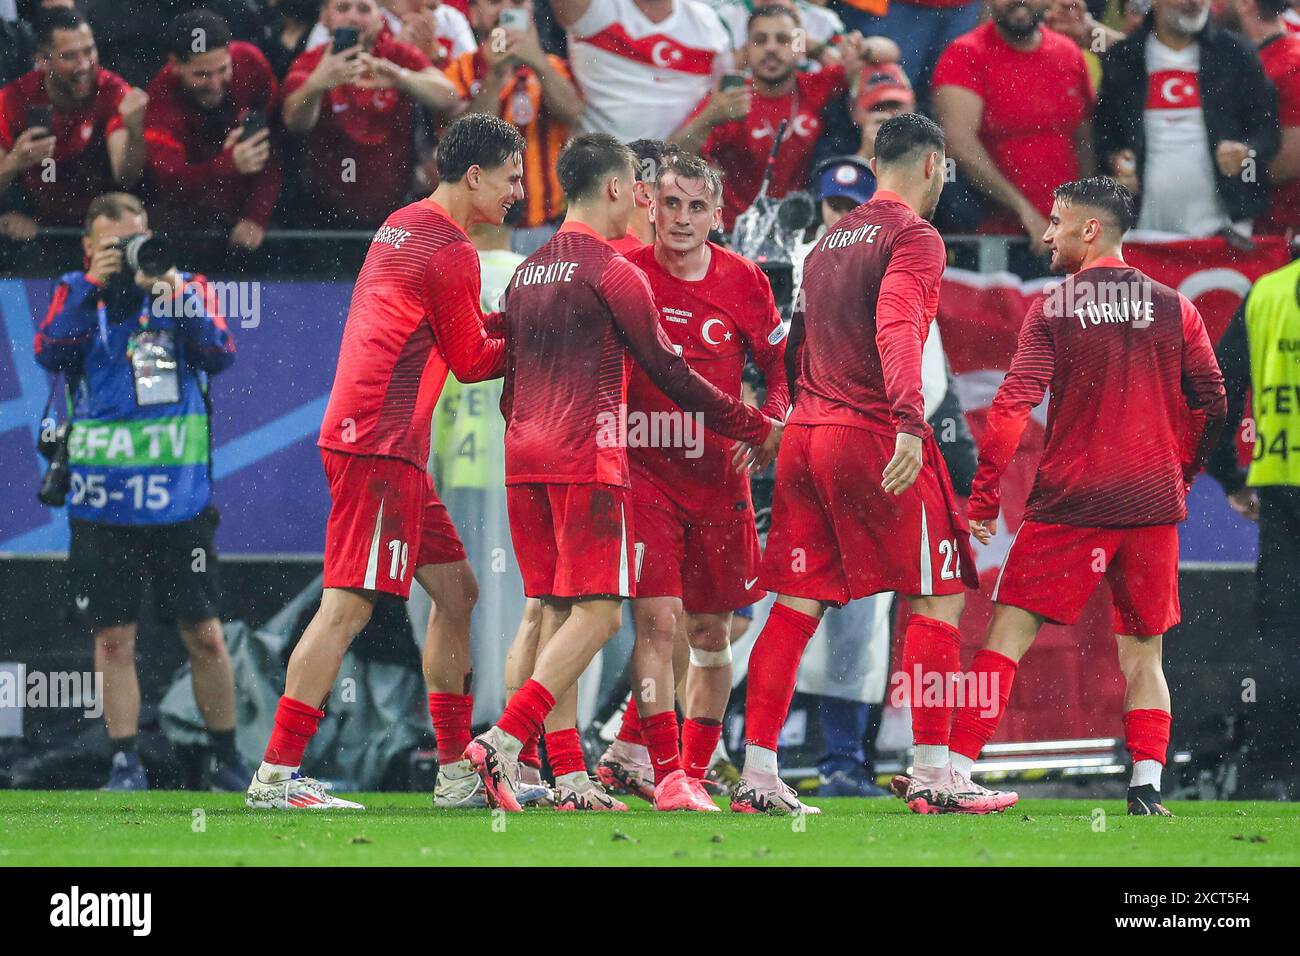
x: 930, y: 647
x: 295, y: 725
x: 564, y: 751
x: 1146, y: 733
x: 700, y: 736
x: 529, y: 756
x: 660, y: 733
x: 451, y: 715
x: 773, y: 664
x: 972, y: 724
x: 630, y: 731
x: 526, y: 711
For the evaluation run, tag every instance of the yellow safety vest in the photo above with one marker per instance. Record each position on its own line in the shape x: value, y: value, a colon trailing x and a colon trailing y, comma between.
x: 1273, y: 334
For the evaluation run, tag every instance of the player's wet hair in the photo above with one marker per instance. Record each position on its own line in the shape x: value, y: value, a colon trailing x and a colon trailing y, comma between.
x: 55, y: 18
x: 196, y: 32
x: 475, y: 139
x: 1105, y: 195
x: 687, y: 166
x: 651, y: 154
x: 906, y: 137
x: 1272, y: 8
x: 589, y: 160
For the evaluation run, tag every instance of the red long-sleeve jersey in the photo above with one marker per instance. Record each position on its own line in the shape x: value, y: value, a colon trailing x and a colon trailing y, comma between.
x: 414, y: 315
x: 1125, y: 358
x: 712, y: 322
x: 870, y: 288
x: 577, y: 314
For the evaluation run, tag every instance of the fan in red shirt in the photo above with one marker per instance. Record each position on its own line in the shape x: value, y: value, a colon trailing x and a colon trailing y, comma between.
x: 203, y: 169
x: 357, y: 110
x: 733, y: 128
x: 862, y: 501
x: 1261, y: 22
x: 414, y: 315
x: 94, y: 140
x: 1015, y: 102
x: 696, y: 540
x: 577, y: 315
x: 1125, y: 359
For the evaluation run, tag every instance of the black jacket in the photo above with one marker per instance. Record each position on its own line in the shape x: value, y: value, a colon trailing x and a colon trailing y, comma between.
x: 1237, y: 99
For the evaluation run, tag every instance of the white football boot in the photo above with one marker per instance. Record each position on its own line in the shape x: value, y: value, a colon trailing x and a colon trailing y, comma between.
x: 294, y: 792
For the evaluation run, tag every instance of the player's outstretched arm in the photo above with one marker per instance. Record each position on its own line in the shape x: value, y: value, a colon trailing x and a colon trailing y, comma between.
x: 452, y: 287
x: 627, y: 293
x: 1022, y: 389
x: 1202, y: 383
x: 767, y: 343
x: 915, y: 265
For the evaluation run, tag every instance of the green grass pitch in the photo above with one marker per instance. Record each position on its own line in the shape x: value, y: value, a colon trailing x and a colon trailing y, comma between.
x: 185, y: 829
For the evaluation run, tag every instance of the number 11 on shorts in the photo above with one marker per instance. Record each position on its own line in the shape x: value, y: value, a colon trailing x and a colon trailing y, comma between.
x: 398, y: 552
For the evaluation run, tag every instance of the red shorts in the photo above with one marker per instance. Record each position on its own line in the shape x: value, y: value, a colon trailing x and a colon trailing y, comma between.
x: 1052, y: 570
x: 383, y: 513
x: 837, y: 535
x: 712, y: 567
x: 572, y: 540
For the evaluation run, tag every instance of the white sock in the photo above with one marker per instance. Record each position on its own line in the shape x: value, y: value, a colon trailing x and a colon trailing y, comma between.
x: 962, y: 764
x: 636, y: 753
x: 1146, y: 772
x: 504, y: 742
x: 760, y: 759
x: 572, y: 780
x: 269, y: 772
x: 931, y: 755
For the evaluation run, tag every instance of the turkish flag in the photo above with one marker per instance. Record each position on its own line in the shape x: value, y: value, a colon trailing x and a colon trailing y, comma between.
x: 1173, y: 90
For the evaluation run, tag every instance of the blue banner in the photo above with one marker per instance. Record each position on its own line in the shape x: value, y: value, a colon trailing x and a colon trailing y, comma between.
x: 270, y: 487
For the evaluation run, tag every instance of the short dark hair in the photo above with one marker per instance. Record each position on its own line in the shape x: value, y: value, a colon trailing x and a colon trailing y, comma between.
x: 1272, y: 8
x: 772, y: 10
x: 199, y: 28
x: 688, y: 166
x: 114, y: 206
x: 902, y: 137
x: 589, y: 160
x: 56, y: 18
x: 475, y: 139
x: 651, y: 154
x: 1102, y: 193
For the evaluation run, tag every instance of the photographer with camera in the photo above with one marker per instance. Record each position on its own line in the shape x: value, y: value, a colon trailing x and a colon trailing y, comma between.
x: 137, y: 340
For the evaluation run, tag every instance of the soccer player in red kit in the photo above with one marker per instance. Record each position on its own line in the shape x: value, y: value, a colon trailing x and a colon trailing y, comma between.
x: 576, y: 316
x: 1124, y: 358
x: 862, y: 502
x: 415, y: 314
x: 696, y: 540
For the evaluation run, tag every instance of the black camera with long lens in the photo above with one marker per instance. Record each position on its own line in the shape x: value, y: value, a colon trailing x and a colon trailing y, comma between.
x: 144, y: 253
x: 53, y: 447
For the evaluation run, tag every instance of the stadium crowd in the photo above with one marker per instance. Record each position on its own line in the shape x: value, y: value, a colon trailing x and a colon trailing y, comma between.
x: 245, y: 115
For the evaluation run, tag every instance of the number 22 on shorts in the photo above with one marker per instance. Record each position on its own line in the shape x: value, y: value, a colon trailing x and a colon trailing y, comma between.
x: 951, y: 560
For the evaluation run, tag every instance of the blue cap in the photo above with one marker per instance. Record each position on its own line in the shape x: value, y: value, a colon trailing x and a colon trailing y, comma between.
x: 846, y: 176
